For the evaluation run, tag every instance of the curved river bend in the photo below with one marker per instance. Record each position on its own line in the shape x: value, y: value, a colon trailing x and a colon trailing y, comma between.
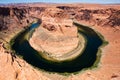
x: 87, y: 59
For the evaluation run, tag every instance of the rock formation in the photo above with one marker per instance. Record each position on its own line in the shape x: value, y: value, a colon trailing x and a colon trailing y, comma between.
x: 54, y: 34
x: 14, y: 68
x: 13, y: 19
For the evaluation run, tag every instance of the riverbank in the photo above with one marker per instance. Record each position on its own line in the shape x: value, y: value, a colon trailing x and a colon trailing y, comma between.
x: 102, y: 18
x: 86, y: 57
x: 109, y: 62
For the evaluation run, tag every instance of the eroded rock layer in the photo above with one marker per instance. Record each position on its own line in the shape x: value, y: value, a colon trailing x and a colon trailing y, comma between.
x: 54, y: 36
x: 105, y: 18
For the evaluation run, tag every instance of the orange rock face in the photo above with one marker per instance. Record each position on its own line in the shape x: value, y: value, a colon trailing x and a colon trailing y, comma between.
x: 103, y: 18
x: 54, y: 37
x: 54, y: 34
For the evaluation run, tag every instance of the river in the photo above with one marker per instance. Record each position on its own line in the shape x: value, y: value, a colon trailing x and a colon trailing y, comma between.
x: 87, y: 59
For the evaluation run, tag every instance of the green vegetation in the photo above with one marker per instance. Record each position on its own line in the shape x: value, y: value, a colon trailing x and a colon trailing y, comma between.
x: 99, y: 52
x: 65, y: 73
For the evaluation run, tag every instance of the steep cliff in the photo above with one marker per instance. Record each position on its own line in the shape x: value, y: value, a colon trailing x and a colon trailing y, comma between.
x: 101, y: 17
x: 13, y: 19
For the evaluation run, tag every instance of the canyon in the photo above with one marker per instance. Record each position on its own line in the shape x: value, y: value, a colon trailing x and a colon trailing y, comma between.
x: 56, y: 20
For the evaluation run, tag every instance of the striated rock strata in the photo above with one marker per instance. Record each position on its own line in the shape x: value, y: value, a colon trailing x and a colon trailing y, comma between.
x: 54, y: 36
x: 103, y: 18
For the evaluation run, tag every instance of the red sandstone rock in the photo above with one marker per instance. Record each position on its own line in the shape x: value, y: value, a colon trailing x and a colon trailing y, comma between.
x: 54, y: 37
x: 11, y: 22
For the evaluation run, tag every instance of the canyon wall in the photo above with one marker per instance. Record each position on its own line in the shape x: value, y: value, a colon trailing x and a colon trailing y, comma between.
x: 13, y: 19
